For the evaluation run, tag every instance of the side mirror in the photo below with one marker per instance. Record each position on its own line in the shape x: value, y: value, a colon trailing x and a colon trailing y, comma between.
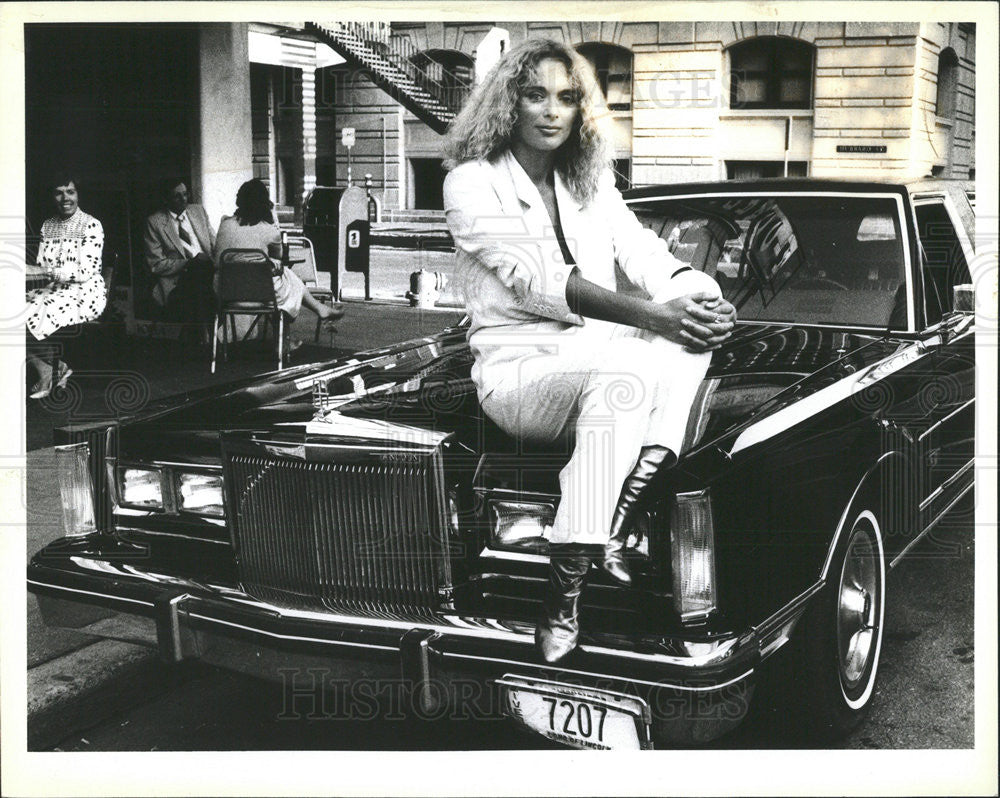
x: 963, y: 298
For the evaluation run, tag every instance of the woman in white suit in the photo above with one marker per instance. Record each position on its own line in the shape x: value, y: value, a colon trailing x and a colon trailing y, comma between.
x: 538, y: 227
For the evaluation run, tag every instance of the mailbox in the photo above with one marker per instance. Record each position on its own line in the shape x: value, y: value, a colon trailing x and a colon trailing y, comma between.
x: 335, y: 219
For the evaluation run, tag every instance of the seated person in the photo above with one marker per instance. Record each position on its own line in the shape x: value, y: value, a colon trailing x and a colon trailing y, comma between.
x: 178, y: 242
x: 70, y: 253
x: 539, y: 228
x: 252, y: 226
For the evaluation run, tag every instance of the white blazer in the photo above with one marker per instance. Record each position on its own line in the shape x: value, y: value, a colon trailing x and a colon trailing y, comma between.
x: 511, y: 266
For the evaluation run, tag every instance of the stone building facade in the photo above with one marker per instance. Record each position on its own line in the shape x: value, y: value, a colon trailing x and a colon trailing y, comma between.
x: 713, y: 100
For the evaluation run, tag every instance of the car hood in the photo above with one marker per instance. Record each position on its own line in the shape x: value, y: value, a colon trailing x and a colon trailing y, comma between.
x: 425, y: 384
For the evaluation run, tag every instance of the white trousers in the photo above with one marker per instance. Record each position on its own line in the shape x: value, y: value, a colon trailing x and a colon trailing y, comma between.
x: 622, y: 389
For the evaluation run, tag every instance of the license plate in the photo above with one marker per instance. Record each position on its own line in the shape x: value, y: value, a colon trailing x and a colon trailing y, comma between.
x: 581, y: 717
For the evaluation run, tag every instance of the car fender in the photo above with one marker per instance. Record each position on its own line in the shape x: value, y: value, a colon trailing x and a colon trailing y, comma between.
x: 870, y: 482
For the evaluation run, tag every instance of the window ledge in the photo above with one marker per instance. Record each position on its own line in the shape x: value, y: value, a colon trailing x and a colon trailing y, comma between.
x: 943, y: 121
x: 780, y: 113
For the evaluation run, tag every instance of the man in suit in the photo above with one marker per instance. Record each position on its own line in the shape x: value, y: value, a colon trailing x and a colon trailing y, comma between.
x: 178, y: 242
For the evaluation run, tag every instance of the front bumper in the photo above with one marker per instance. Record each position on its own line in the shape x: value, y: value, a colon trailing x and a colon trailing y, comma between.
x: 697, y: 690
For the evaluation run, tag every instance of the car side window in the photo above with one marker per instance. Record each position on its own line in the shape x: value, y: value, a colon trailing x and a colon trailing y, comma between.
x: 944, y: 260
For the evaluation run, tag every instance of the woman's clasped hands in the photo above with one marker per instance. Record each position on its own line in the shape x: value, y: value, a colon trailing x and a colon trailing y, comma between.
x: 701, y: 321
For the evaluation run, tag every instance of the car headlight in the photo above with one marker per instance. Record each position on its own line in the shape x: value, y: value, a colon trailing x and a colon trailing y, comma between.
x: 520, y: 525
x: 142, y: 487
x: 692, y: 555
x: 199, y: 493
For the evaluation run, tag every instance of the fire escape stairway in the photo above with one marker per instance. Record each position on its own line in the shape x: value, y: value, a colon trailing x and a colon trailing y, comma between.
x: 389, y: 62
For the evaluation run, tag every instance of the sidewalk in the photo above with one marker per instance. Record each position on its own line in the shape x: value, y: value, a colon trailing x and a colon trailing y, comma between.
x: 74, y: 681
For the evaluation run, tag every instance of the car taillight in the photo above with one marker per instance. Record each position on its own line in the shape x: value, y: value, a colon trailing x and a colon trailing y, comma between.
x: 692, y: 554
x: 76, y: 489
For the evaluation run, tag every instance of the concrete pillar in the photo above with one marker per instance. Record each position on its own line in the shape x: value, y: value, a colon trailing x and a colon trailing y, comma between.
x: 308, y: 134
x: 223, y: 157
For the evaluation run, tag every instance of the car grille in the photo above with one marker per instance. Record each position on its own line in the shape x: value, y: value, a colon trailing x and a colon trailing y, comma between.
x: 368, y: 534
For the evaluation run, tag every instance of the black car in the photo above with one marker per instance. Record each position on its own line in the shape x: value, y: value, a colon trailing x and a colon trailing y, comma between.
x: 364, y: 515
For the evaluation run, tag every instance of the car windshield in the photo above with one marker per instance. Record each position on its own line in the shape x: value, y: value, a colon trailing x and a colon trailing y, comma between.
x: 806, y: 259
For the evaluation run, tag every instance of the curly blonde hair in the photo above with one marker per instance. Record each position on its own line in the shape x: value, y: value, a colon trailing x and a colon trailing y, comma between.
x: 485, y: 126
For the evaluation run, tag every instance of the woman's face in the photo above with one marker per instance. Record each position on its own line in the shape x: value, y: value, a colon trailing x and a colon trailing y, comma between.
x: 65, y: 199
x: 547, y: 108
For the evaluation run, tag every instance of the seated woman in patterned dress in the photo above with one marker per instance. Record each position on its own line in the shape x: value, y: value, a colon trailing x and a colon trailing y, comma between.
x: 70, y: 253
x: 252, y: 226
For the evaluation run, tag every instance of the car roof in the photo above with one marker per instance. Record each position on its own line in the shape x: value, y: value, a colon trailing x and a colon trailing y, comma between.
x: 775, y: 184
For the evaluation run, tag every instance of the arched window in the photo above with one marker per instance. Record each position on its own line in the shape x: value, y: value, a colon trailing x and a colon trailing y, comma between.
x: 771, y: 72
x: 947, y: 83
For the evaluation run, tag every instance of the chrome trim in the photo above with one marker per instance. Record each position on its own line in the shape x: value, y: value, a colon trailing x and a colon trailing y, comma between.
x: 193, y: 468
x: 840, y: 391
x: 864, y: 328
x: 170, y: 534
x: 500, y: 554
x: 785, y: 614
x: 631, y: 679
x: 502, y: 494
x: 946, y: 484
x: 843, y: 518
x: 948, y: 417
x: 90, y: 593
x: 932, y: 524
x: 525, y: 638
x: 298, y: 638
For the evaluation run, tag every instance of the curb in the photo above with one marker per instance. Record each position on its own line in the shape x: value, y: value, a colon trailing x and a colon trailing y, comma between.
x: 356, y: 297
x: 75, y: 692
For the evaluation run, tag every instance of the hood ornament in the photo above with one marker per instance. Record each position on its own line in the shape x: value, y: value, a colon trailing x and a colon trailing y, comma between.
x: 321, y: 399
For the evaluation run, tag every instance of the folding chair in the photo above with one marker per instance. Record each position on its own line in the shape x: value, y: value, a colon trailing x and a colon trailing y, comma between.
x: 303, y: 258
x: 246, y: 288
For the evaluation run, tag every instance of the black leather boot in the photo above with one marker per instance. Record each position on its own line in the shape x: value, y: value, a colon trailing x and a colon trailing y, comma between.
x: 559, y: 627
x: 651, y: 460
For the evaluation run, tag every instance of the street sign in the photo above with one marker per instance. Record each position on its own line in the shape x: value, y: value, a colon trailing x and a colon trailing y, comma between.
x: 347, y: 137
x: 869, y: 149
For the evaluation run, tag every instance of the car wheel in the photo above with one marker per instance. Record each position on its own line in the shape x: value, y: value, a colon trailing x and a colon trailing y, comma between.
x: 844, y: 631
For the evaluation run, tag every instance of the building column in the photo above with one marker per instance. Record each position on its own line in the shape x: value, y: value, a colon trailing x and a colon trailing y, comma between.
x: 308, y: 132
x: 223, y: 157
